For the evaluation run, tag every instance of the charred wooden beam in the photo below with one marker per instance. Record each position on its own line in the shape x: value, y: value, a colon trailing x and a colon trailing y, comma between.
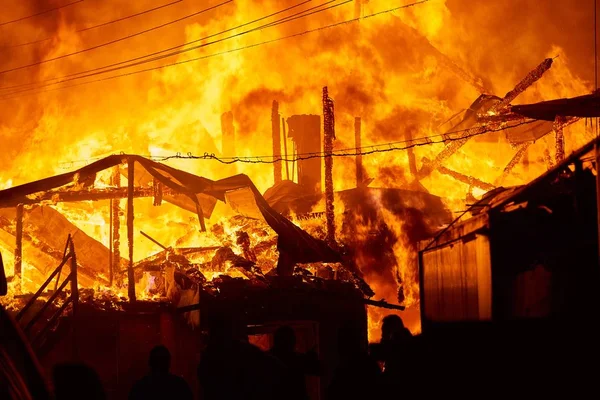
x: 74, y: 286
x: 158, y: 192
x: 597, y: 159
x: 200, y: 217
x: 115, y: 225
x: 469, y: 180
x: 499, y: 108
x: 329, y: 136
x: 548, y: 159
x: 19, y: 241
x: 156, y: 242
x: 383, y: 304
x: 285, y: 152
x: 51, y: 256
x: 513, y: 161
x: 559, y: 124
x: 532, y: 77
x: 130, y: 191
x: 497, y: 118
x: 358, y: 145
x: 276, y: 135
x: 64, y: 196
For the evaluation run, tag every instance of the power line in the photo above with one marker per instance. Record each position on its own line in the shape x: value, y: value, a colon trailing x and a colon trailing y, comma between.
x: 99, y: 25
x: 155, y: 53
x: 144, y: 59
x: 349, y: 152
x: 115, y: 40
x: 353, y: 152
x: 40, y: 13
x: 12, y: 96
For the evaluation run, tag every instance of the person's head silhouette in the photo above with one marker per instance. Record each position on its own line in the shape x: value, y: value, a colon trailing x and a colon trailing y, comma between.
x: 284, y: 339
x: 76, y: 381
x: 391, y: 327
x: 160, y: 360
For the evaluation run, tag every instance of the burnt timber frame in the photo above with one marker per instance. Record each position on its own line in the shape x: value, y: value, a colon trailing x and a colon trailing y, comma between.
x: 113, y: 194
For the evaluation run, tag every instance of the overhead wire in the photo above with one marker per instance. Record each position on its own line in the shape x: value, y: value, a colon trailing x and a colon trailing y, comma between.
x: 144, y: 59
x: 88, y: 28
x: 40, y: 13
x: 12, y: 95
x: 348, y: 152
x: 156, y: 52
x: 116, y: 40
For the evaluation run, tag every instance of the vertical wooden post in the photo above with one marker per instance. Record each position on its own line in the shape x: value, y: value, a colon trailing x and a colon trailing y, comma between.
x: 287, y: 168
x: 276, y: 135
x: 74, y: 295
x: 115, y: 237
x: 110, y: 244
x: 74, y: 287
x: 357, y: 9
x: 294, y: 164
x: 597, y: 156
x: 200, y: 217
x: 329, y: 136
x: 130, y: 276
x: 358, y: 145
x: 19, y: 242
x: 560, y: 138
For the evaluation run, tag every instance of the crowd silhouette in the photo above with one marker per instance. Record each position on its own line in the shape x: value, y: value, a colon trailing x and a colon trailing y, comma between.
x: 468, y: 361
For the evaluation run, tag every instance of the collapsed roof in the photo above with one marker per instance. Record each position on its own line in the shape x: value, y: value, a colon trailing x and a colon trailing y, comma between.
x: 185, y: 190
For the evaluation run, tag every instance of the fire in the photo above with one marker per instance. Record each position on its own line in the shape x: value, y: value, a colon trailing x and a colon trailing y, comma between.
x: 405, y: 73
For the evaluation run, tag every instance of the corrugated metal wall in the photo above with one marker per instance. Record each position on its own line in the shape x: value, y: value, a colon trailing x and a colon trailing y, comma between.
x: 457, y: 281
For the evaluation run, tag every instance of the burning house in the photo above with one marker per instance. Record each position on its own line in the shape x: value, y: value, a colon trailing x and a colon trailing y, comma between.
x: 255, y: 277
x: 527, y: 252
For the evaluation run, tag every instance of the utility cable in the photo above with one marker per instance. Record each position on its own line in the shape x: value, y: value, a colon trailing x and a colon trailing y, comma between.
x: 11, y: 95
x: 98, y: 25
x: 144, y: 59
x: 40, y: 13
x: 116, y: 40
x: 348, y: 152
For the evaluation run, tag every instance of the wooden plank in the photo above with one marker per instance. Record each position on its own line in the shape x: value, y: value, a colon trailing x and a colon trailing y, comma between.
x: 458, y: 231
x: 64, y: 196
x: 115, y: 225
x: 130, y: 190
x: 19, y: 241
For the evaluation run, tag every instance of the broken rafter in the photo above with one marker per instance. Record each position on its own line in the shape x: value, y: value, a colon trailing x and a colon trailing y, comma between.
x: 329, y: 136
x: 497, y: 118
x: 560, y: 139
x: 85, y: 195
x: 54, y: 254
x: 450, y: 149
x: 469, y: 180
x: 19, y: 241
x: 526, y: 82
x: 499, y: 108
x: 115, y: 225
x: 513, y: 162
x: 476, y: 82
x: 130, y: 192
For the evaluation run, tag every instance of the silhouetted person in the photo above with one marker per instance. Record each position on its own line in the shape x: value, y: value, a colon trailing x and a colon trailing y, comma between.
x: 295, y: 365
x: 232, y: 368
x: 395, y: 337
x: 160, y: 383
x: 358, y: 375
x: 76, y: 381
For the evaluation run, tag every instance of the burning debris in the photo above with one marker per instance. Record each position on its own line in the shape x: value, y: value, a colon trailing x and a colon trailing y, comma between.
x: 243, y: 249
